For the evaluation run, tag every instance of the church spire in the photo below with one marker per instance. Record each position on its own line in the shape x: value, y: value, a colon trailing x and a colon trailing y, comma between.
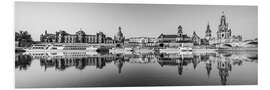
x: 223, y: 19
x: 208, y: 30
x: 45, y: 32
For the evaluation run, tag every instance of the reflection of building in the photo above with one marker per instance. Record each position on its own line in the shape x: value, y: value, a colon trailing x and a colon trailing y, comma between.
x: 195, y: 61
x: 208, y: 66
x: 224, y: 67
x: 78, y: 37
x: 79, y: 63
x: 22, y: 62
x: 179, y: 61
x: 119, y: 63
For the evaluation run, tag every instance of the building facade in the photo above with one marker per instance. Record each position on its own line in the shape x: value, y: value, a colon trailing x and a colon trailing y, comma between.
x: 79, y: 37
x: 142, y: 40
x: 196, y: 39
x: 179, y: 37
x: 224, y: 33
x: 119, y: 37
x: 207, y: 37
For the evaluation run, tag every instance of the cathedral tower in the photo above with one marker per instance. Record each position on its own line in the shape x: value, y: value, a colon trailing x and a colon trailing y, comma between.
x: 119, y: 37
x: 223, y: 29
x: 180, y: 31
x: 208, y: 32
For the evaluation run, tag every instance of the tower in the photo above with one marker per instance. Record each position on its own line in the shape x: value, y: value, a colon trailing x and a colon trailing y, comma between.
x: 45, y: 32
x: 80, y: 34
x: 119, y: 37
x: 208, y: 32
x: 41, y: 38
x: 196, y: 39
x: 223, y: 29
x: 180, y: 31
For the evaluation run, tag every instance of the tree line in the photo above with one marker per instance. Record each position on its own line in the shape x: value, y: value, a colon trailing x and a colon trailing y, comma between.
x: 23, y: 39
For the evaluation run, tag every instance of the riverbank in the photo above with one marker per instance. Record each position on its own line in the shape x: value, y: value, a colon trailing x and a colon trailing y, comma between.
x: 19, y: 49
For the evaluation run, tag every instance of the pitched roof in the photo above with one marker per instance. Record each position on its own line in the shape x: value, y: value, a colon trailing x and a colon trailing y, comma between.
x: 208, y: 30
x: 168, y: 36
x: 172, y: 36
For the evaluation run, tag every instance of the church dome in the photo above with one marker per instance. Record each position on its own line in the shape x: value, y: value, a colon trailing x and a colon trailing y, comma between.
x: 80, y: 32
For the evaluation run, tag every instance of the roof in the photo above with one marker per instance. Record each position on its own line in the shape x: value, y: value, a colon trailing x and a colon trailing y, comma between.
x: 167, y: 36
x: 141, y: 37
x: 172, y: 36
x: 195, y: 35
x: 208, y: 30
x: 185, y: 36
x: 109, y: 38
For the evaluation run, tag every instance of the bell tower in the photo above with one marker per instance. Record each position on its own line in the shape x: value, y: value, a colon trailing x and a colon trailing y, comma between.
x: 223, y: 28
x: 208, y: 32
x: 180, y: 31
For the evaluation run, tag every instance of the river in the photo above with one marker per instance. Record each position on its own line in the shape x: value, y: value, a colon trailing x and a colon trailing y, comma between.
x: 82, y: 69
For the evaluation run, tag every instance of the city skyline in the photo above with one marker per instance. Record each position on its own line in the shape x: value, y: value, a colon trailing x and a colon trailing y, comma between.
x: 134, y: 19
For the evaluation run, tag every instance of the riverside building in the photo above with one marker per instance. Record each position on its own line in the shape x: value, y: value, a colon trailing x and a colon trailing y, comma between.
x: 224, y: 33
x: 79, y: 37
x: 119, y: 37
x: 175, y: 40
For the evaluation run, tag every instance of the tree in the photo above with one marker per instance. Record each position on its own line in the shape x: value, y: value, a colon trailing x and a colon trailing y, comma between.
x: 23, y: 37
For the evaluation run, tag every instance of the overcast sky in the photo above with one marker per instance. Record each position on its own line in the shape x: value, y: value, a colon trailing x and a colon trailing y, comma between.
x: 135, y: 19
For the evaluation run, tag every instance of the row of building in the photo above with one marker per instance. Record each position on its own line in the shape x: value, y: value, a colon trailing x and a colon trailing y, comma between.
x: 224, y: 35
x: 80, y: 37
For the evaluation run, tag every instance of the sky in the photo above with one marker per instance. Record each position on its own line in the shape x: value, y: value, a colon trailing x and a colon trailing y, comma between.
x: 136, y: 20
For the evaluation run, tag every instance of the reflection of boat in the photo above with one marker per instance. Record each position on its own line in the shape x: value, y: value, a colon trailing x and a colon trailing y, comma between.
x: 143, y: 50
x: 203, y: 50
x: 182, y: 50
x: 121, y: 50
x: 60, y: 47
x: 175, y: 55
x: 238, y: 49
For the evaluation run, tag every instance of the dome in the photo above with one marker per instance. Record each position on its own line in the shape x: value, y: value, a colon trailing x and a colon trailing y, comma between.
x: 80, y: 32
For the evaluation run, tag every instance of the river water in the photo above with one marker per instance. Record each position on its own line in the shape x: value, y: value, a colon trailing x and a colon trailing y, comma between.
x: 84, y: 69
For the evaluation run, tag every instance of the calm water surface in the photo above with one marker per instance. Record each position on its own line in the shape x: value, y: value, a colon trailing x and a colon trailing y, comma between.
x: 85, y: 69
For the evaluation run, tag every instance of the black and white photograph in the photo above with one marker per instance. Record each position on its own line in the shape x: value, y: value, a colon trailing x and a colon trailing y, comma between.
x: 67, y: 45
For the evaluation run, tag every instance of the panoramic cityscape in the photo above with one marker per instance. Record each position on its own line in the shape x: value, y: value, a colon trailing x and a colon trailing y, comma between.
x: 217, y: 54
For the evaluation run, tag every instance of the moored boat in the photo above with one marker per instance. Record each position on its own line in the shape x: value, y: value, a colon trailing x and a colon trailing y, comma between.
x: 61, y: 47
x: 182, y: 50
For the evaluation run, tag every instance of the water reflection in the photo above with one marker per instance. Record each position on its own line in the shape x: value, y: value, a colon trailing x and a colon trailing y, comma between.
x: 223, y: 62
